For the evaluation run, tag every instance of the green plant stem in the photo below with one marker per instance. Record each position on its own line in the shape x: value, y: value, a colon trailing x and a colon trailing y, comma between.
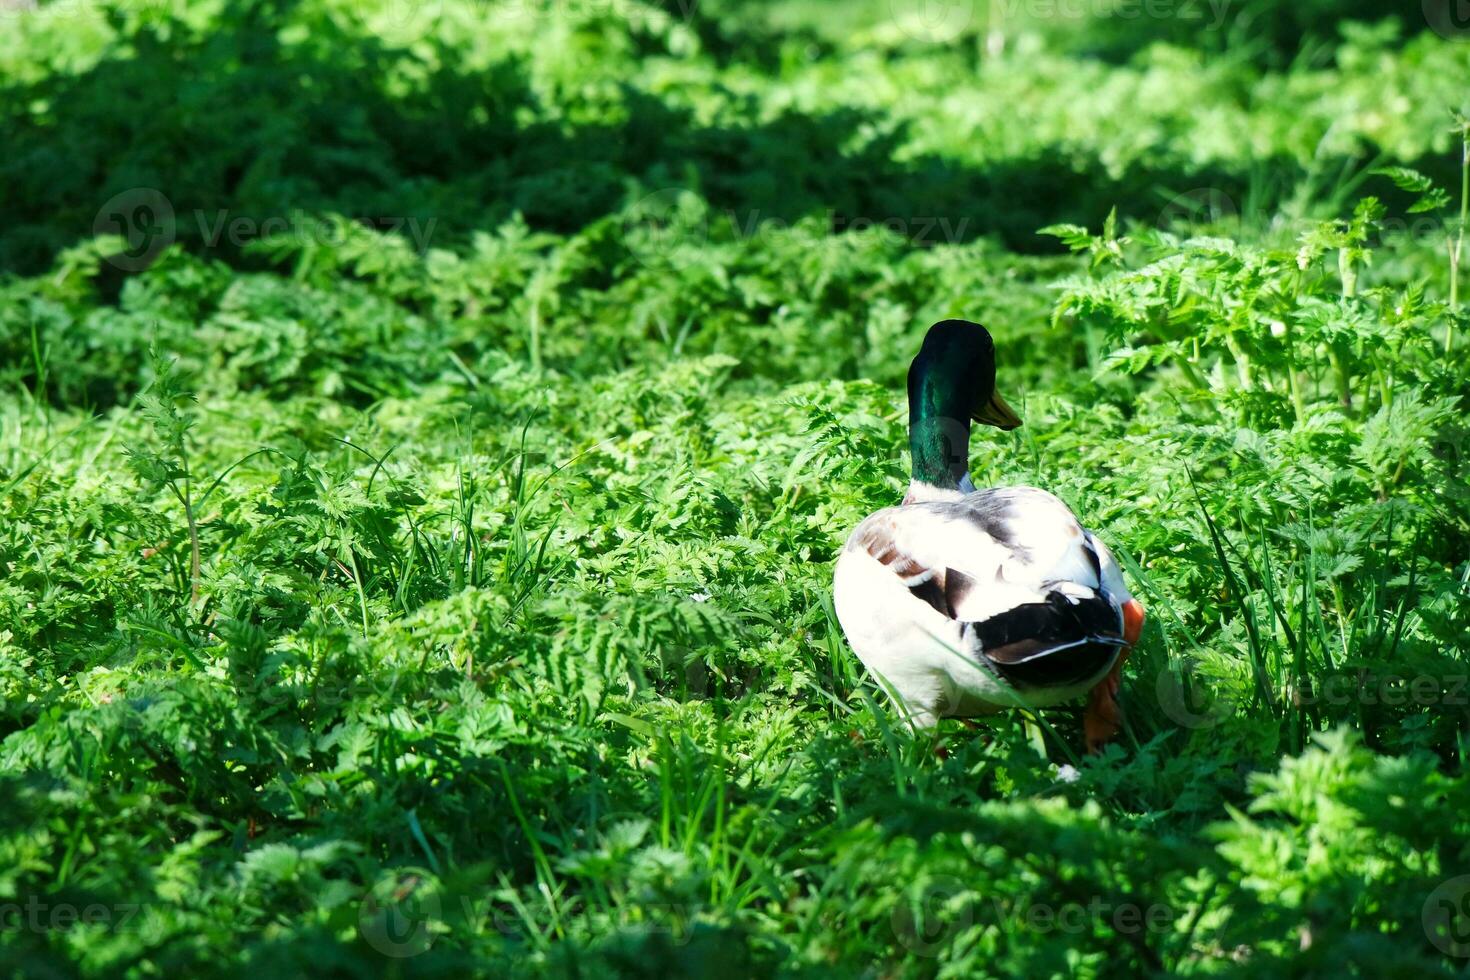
x: 38, y: 359
x: 1339, y: 369
x: 1457, y: 250
x: 995, y: 30
x: 1298, y: 403
x: 1242, y: 362
x: 187, y: 498
x: 1192, y: 373
x: 1293, y: 382
x: 1347, y: 272
x: 535, y: 338
x: 1344, y: 380
x: 361, y: 593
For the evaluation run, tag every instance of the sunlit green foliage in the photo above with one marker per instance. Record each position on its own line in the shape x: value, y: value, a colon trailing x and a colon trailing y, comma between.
x: 418, y: 558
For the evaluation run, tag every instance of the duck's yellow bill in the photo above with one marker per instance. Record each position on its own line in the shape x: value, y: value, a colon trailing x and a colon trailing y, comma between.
x: 997, y: 413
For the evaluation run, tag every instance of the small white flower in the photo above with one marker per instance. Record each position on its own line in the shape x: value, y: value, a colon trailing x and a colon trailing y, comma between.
x: 1278, y: 329
x: 1067, y: 774
x: 700, y: 596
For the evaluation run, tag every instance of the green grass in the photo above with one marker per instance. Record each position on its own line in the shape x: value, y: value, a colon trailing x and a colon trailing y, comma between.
x: 416, y: 532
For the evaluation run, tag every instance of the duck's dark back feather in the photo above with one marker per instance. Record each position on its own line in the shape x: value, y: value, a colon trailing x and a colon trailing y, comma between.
x: 1057, y: 643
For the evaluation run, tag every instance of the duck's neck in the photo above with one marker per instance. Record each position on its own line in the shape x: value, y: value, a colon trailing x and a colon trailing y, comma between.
x: 939, y: 432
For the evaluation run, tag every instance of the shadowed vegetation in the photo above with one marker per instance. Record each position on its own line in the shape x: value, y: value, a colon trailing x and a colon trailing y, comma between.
x: 426, y: 430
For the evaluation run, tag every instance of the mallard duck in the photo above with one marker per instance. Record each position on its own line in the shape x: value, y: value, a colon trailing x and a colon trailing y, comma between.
x: 965, y: 602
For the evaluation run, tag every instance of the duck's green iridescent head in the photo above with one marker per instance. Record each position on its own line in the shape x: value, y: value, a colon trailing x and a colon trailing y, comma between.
x: 951, y: 383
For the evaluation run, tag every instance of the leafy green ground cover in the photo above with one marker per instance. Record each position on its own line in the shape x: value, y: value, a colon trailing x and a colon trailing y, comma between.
x: 427, y: 428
